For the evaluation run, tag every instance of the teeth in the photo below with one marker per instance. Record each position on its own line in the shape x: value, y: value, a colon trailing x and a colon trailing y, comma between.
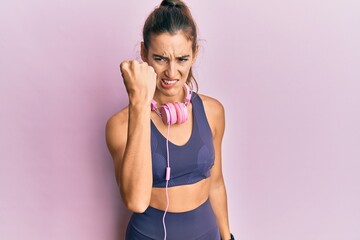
x: 169, y: 82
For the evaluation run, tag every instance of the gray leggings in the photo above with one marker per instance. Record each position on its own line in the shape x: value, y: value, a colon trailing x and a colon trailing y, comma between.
x: 199, y: 224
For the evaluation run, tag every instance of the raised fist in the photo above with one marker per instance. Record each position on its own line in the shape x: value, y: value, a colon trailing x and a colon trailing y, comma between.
x: 139, y: 80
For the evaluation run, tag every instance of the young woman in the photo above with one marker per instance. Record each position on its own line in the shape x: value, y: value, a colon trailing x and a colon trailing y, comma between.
x: 166, y: 144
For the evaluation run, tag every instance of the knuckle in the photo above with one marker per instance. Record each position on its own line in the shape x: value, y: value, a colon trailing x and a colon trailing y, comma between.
x: 144, y: 65
x: 134, y: 62
x: 124, y: 64
x: 151, y: 69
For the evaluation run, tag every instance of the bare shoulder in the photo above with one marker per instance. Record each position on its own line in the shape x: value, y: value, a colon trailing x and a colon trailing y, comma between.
x: 213, y: 107
x: 215, y: 114
x: 121, y: 116
x: 116, y: 131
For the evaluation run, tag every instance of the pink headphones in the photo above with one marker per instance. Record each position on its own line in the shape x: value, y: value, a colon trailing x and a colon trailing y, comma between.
x: 172, y: 113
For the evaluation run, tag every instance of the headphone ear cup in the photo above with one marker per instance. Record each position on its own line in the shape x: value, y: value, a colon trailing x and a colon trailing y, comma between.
x: 172, y: 113
x: 181, y: 112
x: 168, y: 114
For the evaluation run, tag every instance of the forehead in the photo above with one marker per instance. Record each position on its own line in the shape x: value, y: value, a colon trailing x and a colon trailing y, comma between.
x: 170, y: 44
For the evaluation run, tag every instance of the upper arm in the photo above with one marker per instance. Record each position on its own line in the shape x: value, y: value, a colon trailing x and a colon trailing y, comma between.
x: 116, y: 137
x: 216, y: 117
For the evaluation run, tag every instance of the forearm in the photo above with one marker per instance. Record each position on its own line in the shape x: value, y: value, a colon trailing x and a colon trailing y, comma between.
x: 218, y: 201
x: 136, y: 170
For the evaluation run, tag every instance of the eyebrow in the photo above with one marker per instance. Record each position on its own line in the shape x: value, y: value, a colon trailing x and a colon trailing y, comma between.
x: 184, y: 56
x: 160, y: 56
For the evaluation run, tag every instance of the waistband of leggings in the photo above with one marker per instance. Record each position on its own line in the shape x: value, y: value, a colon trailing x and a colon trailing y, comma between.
x: 199, y: 208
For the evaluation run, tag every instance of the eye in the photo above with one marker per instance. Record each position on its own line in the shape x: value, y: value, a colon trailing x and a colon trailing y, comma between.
x: 183, y: 59
x: 159, y: 59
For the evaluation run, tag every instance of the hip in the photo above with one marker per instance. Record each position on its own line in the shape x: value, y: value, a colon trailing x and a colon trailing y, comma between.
x: 199, y: 224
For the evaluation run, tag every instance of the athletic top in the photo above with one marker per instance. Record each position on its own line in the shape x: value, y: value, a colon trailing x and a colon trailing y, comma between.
x: 190, y: 162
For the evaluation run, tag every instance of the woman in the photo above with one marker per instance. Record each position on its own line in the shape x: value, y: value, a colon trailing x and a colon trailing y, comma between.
x: 166, y: 144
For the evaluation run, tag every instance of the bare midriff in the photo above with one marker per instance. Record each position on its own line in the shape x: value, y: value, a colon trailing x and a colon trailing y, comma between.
x: 181, y: 198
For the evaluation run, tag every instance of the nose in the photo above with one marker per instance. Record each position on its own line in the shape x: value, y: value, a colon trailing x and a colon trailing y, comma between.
x: 171, y: 70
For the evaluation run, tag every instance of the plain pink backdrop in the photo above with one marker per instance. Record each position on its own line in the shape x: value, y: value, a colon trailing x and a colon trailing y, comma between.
x: 287, y: 73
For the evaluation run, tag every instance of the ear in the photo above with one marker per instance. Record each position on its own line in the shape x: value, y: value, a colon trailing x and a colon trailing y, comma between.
x: 195, y: 53
x: 143, y: 52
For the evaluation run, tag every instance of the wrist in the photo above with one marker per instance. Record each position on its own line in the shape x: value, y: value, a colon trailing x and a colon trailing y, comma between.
x: 139, y: 110
x: 229, y: 238
x: 139, y: 97
x: 139, y: 103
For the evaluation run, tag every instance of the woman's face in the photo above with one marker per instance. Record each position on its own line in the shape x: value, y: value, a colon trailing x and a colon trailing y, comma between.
x: 171, y: 56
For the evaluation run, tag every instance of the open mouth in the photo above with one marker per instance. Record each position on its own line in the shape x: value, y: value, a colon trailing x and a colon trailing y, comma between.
x: 168, y: 82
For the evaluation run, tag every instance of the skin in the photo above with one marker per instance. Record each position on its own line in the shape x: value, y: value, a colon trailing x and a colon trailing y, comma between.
x: 168, y: 57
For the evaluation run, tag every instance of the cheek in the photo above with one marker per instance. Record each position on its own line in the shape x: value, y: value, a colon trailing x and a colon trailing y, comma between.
x: 185, y: 69
x: 158, y: 68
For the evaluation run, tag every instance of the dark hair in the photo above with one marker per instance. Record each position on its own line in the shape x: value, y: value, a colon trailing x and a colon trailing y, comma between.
x: 171, y: 17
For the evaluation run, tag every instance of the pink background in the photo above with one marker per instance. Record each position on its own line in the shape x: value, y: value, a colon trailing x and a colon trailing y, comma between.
x: 287, y: 73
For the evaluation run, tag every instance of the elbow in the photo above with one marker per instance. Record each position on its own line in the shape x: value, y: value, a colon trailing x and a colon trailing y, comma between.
x: 136, y: 200
x: 137, y: 206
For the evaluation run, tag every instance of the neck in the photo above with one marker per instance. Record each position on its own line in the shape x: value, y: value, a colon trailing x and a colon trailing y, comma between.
x: 162, y: 99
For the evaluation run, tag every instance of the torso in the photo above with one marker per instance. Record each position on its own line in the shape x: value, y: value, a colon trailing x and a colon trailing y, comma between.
x: 181, y: 198
x: 184, y: 197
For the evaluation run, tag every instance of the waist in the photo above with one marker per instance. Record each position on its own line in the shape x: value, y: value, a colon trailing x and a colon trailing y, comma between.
x: 181, y: 198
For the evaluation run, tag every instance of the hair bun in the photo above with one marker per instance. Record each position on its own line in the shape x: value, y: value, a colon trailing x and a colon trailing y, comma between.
x: 170, y: 3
